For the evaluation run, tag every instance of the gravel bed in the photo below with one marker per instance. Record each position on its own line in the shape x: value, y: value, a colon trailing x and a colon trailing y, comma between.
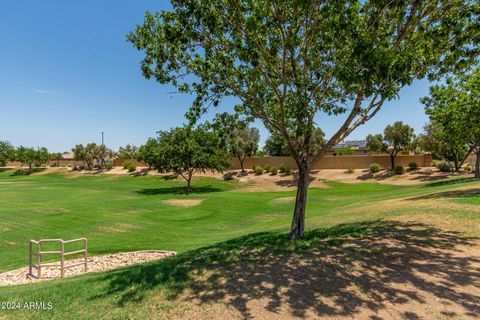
x: 95, y: 264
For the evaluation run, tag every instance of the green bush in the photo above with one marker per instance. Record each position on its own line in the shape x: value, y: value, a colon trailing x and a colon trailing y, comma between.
x: 109, y: 166
x: 254, y: 167
x: 374, y: 168
x: 413, y: 165
x: 259, y: 170
x: 427, y: 171
x: 126, y: 165
x: 351, y: 169
x: 443, y: 166
x: 267, y: 167
x: 399, y: 170
x: 273, y: 170
x: 132, y: 167
x: 467, y: 167
x: 285, y: 169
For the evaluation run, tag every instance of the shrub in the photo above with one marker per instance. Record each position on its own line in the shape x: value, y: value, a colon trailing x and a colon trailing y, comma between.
x: 132, y: 167
x: 287, y: 171
x: 374, y: 168
x: 254, y: 167
x: 126, y: 165
x: 413, y: 165
x: 81, y: 168
x: 351, y: 169
x: 399, y: 170
x: 282, y: 168
x: 274, y: 170
x: 427, y: 171
x: 267, y: 167
x: 467, y: 167
x: 75, y: 168
x: 443, y: 166
x: 109, y: 166
x: 259, y: 170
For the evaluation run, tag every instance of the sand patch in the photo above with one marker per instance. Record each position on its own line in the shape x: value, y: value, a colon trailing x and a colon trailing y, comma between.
x: 283, y: 200
x: 116, y: 228
x: 184, y: 203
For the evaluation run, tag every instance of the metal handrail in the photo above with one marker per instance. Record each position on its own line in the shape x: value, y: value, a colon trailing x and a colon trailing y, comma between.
x: 62, y: 253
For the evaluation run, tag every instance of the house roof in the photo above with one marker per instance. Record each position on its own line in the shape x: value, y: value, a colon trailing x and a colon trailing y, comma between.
x: 354, y: 144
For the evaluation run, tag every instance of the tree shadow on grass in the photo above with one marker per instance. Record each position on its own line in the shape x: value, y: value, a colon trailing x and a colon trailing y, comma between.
x: 450, y: 182
x: 26, y: 172
x: 178, y: 190
x: 466, y: 193
x: 340, y: 271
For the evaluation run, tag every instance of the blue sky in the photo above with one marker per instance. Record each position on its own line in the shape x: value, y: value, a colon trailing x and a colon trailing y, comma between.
x: 67, y: 73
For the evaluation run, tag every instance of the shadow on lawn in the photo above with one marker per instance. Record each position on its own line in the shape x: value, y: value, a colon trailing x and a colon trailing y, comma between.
x: 466, y: 193
x: 26, y: 172
x: 178, y: 190
x: 331, y: 272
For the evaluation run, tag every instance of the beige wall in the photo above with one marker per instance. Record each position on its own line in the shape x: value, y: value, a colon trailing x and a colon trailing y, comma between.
x: 339, y: 162
x: 327, y: 162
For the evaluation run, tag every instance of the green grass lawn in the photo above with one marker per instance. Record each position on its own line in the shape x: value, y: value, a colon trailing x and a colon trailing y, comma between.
x: 124, y: 213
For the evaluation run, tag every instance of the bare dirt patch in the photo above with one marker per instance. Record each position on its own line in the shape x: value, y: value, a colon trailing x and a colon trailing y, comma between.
x: 283, y: 200
x: 183, y: 202
x: 407, y: 270
x: 95, y: 264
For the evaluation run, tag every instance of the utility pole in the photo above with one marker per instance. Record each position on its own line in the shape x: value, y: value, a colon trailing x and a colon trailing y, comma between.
x: 102, y: 139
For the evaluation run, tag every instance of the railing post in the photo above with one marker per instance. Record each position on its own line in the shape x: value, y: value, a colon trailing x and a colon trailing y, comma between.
x: 62, y: 261
x: 30, y: 258
x: 86, y: 254
x: 39, y: 259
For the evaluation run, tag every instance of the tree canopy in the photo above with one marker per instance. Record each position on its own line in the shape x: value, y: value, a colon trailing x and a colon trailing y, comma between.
x: 287, y: 61
x: 32, y: 157
x: 395, y: 138
x: 128, y: 152
x: 6, y: 152
x: 186, y: 150
x: 454, y: 111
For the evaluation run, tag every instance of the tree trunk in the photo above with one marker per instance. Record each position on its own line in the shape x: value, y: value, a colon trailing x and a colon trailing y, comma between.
x: 241, y: 160
x: 457, y: 167
x: 298, y: 222
x: 189, y: 180
x: 477, y: 166
x: 392, y: 161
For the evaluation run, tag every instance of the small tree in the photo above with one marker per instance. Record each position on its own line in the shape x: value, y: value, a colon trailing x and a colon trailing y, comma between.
x: 244, y: 143
x: 57, y: 156
x: 396, y: 137
x: 79, y: 153
x: 7, y: 153
x: 128, y: 152
x: 31, y: 156
x: 148, y: 153
x: 185, y: 150
x: 90, y: 154
x: 444, y: 143
x: 102, y: 154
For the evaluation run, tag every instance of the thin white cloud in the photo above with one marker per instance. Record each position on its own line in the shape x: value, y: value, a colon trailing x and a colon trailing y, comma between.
x: 42, y: 91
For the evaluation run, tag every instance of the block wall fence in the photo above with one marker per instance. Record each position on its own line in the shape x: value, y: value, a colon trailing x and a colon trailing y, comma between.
x: 327, y: 162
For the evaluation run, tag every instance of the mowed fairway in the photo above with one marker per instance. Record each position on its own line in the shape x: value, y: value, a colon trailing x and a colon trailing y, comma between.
x: 220, y: 225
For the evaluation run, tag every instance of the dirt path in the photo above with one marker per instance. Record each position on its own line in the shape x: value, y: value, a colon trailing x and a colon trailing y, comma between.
x: 95, y: 264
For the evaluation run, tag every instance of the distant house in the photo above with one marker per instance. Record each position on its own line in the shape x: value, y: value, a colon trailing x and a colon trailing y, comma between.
x: 67, y: 155
x: 349, y: 147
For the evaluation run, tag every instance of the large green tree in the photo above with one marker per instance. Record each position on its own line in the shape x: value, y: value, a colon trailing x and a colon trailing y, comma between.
x: 287, y: 61
x: 395, y: 138
x: 6, y: 153
x: 454, y: 110
x: 186, y: 150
